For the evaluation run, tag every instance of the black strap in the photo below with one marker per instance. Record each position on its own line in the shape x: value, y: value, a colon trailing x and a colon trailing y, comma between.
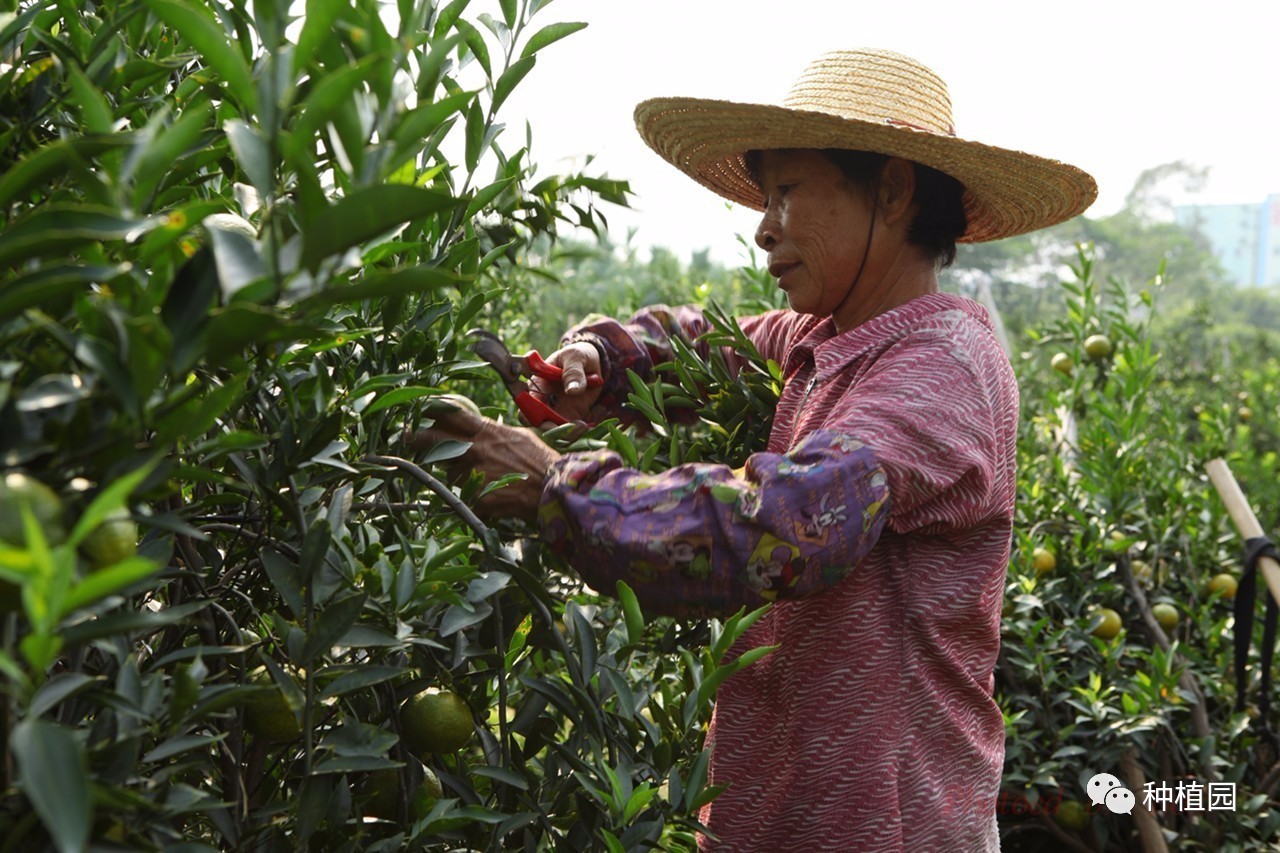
x: 1246, y: 597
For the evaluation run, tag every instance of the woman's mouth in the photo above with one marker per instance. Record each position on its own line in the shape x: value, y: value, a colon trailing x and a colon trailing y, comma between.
x: 780, y: 270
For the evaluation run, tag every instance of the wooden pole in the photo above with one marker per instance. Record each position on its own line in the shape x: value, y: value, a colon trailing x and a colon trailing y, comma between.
x: 1246, y: 522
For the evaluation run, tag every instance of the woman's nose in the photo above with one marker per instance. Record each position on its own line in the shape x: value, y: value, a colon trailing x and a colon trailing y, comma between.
x: 767, y: 231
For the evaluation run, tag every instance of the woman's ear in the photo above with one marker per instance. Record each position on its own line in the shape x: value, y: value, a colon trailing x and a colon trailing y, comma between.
x: 897, y: 189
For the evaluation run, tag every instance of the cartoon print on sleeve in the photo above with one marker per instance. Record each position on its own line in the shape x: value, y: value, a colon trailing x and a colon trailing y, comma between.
x: 705, y: 539
x: 774, y: 567
x: 814, y: 527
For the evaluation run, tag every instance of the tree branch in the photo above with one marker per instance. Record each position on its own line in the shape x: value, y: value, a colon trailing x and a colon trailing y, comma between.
x: 1148, y: 826
x: 446, y: 494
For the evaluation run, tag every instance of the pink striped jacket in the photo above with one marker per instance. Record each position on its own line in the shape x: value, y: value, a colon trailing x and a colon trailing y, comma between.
x: 872, y: 726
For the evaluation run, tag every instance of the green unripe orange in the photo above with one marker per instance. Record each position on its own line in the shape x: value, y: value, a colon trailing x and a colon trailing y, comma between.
x: 17, y: 490
x: 1072, y: 814
x: 115, y: 539
x: 1097, y: 347
x: 436, y: 722
x: 1109, y: 627
x: 1167, y: 615
x: 267, y: 714
x: 1223, y: 583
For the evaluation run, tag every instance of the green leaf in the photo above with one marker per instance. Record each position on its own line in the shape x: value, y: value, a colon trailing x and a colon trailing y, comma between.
x: 420, y: 122
x: 640, y: 798
x: 235, y: 256
x: 549, y: 35
x: 510, y: 79
x: 178, y: 745
x: 57, y: 229
x: 697, y: 778
x: 253, y: 154
x: 475, y: 42
x: 485, y: 196
x: 283, y: 574
x: 111, y: 499
x: 362, y: 677
x: 509, y: 12
x: 94, y: 110
x: 631, y: 610
x: 54, y: 774
x: 399, y: 283
x: 54, y: 162
x: 111, y: 579
x: 355, y: 764
x: 335, y: 621
x: 213, y: 44
x: 502, y: 774
x: 126, y: 623
x: 58, y: 688
x: 431, y: 66
x: 318, y: 21
x: 197, y: 418
x: 322, y: 102
x: 50, y: 289
x: 192, y: 130
x: 474, y: 136
x: 39, y: 649
x: 241, y: 324
x: 712, y: 682
x: 365, y: 214
x: 396, y: 397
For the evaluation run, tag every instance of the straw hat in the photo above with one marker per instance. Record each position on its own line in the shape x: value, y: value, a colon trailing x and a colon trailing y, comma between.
x: 867, y: 100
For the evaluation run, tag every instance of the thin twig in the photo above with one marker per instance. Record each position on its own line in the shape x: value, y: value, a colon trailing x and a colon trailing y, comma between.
x: 444, y: 492
x: 398, y: 506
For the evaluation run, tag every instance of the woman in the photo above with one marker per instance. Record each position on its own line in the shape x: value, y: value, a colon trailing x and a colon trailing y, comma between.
x: 879, y: 519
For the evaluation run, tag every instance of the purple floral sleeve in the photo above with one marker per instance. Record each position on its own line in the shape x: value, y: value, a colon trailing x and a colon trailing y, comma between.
x: 706, y: 540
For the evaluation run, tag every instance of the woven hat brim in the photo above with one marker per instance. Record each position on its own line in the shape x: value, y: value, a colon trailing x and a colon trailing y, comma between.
x: 1007, y: 192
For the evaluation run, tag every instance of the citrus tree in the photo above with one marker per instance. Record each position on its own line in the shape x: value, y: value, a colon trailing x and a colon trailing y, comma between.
x: 240, y: 245
x: 1117, y: 638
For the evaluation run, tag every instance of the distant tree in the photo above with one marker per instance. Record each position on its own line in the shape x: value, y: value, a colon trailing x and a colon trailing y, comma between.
x: 1148, y: 198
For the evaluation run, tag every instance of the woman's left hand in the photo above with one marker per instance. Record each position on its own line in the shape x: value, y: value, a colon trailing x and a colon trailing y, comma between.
x: 496, y: 450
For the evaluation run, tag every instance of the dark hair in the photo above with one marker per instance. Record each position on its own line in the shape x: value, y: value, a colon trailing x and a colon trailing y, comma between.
x: 940, y: 218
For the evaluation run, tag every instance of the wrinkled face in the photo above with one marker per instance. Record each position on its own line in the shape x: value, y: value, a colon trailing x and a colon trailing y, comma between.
x: 814, y: 228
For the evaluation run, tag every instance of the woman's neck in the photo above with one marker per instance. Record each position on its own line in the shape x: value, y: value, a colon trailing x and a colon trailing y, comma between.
x: 909, y: 275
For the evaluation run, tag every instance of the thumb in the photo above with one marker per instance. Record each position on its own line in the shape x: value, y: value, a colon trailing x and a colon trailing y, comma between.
x: 575, y: 377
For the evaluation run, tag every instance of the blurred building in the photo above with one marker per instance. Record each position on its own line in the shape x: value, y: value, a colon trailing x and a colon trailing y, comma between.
x: 1244, y: 237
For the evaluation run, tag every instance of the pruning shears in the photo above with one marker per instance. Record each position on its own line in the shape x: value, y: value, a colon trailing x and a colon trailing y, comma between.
x: 515, y: 370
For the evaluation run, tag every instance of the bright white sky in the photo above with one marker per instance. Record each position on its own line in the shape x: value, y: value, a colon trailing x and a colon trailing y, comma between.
x: 1112, y: 86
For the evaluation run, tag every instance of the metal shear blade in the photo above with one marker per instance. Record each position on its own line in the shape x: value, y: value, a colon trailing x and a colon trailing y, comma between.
x: 514, y: 370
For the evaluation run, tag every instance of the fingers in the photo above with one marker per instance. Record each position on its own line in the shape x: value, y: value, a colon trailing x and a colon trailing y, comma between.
x: 463, y: 423
x: 578, y: 360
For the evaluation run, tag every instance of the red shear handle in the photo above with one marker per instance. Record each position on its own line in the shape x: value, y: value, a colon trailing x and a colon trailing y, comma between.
x: 537, y: 412
x: 541, y: 367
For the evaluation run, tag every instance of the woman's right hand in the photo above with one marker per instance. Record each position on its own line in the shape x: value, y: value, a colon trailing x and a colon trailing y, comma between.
x: 571, y: 397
